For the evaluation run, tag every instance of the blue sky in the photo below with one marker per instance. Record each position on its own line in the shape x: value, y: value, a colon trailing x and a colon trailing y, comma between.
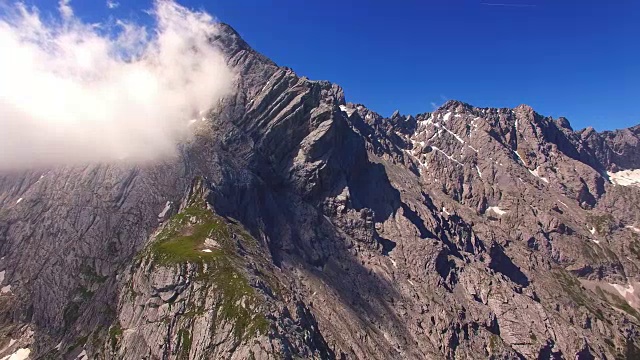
x: 578, y: 59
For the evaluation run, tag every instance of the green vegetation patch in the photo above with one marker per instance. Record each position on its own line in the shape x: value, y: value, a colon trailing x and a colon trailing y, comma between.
x: 634, y: 246
x: 78, y: 343
x: 70, y: 314
x: 84, y: 293
x: 572, y: 287
x: 609, y: 343
x: 238, y: 301
x: 494, y: 343
x: 185, y: 344
x: 601, y: 294
x: 90, y: 274
x: 182, y: 240
x: 617, y: 302
x: 589, y: 253
x: 115, y: 333
x: 630, y: 351
x: 602, y: 223
x: 620, y: 303
x: 597, y: 254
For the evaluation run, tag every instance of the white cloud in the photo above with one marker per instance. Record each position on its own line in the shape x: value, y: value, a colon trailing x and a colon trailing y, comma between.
x: 111, y: 4
x: 65, y: 9
x: 73, y: 92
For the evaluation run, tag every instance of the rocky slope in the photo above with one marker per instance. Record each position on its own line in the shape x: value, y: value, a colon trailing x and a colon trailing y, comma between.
x: 295, y: 225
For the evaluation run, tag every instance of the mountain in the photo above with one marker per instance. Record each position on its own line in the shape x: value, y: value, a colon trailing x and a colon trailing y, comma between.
x: 296, y: 225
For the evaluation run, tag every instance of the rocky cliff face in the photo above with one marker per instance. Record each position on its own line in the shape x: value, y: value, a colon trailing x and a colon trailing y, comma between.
x: 295, y: 225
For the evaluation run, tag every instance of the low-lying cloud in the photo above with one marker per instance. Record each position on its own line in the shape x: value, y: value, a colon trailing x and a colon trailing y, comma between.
x: 73, y: 92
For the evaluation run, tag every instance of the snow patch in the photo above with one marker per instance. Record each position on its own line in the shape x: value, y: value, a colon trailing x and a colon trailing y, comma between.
x: 623, y: 290
x: 437, y: 133
x: 346, y: 110
x: 417, y: 159
x: 426, y: 122
x: 5, y: 289
x: 446, y: 116
x: 496, y: 210
x: 444, y: 210
x: 206, y: 250
x: 520, y: 158
x: 439, y: 126
x: 595, y: 241
x: 20, y: 354
x: 628, y: 227
x: 2, y: 276
x: 565, y: 205
x: 536, y: 174
x: 394, y: 263
x: 478, y: 170
x: 625, y: 177
x: 448, y: 157
x: 19, y: 200
x: 413, y: 142
x: 474, y: 149
x: 265, y: 86
x: 454, y: 134
x: 83, y: 355
x: 166, y: 209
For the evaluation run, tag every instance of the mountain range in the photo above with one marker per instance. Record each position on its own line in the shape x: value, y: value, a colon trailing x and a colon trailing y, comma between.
x: 297, y: 225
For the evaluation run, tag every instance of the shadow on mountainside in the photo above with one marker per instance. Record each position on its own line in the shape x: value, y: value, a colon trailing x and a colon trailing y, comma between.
x: 301, y: 238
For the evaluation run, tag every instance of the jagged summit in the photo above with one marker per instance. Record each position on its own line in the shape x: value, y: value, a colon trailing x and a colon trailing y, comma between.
x: 452, y: 104
x: 524, y: 107
x: 295, y: 225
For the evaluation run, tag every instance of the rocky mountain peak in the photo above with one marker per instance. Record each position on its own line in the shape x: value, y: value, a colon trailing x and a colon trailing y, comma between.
x: 524, y: 108
x: 455, y: 105
x: 564, y: 123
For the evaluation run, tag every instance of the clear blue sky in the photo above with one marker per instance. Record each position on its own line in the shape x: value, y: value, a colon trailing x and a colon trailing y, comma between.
x: 574, y: 58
